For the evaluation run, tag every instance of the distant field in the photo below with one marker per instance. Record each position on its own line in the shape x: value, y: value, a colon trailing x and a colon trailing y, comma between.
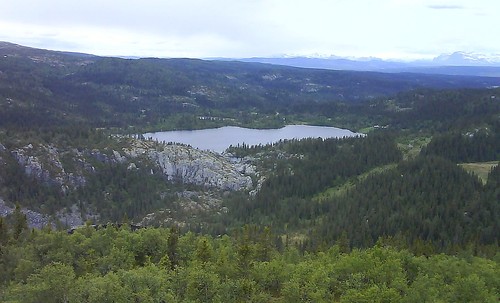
x: 481, y: 169
x: 410, y: 147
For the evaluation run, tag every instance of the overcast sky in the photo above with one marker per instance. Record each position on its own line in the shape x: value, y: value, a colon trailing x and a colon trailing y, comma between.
x: 248, y: 28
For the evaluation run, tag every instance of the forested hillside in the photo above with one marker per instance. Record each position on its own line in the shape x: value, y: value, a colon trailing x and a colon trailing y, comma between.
x: 428, y: 199
x: 44, y: 88
x: 366, y: 192
x: 91, y: 211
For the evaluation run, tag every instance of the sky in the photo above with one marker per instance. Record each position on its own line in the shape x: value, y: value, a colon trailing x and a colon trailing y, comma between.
x: 389, y: 29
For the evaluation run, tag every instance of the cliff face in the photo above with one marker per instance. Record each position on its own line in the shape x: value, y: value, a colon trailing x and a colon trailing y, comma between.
x: 44, y: 164
x: 68, y: 169
x: 34, y: 219
x: 193, y: 166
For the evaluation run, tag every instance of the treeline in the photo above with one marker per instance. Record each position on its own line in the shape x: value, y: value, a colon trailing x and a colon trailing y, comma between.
x: 116, y: 191
x: 42, y: 89
x: 429, y: 203
x: 479, y: 146
x: 312, y: 166
x: 432, y: 111
x: 426, y: 200
x: 159, y: 265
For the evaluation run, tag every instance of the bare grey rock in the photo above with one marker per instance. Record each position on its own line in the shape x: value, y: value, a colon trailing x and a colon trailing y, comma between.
x: 119, y: 158
x: 4, y: 209
x: 190, y: 165
x: 99, y: 156
x: 33, y: 218
x: 44, y: 163
x: 72, y: 216
x: 37, y: 220
x: 67, y: 168
x: 244, y: 165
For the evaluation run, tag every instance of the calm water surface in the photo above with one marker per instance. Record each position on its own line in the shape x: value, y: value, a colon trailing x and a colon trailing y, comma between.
x: 219, y: 139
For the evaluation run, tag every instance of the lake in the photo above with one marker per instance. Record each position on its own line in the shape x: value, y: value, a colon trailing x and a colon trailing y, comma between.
x: 219, y: 139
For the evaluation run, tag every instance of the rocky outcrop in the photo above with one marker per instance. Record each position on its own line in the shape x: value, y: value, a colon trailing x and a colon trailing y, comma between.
x: 33, y: 218
x: 177, y: 162
x: 70, y: 168
x: 190, y: 165
x: 189, y: 207
x: 4, y: 209
x: 44, y: 163
x: 72, y: 216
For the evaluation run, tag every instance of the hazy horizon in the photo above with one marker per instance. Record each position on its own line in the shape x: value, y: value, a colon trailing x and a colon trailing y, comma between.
x: 386, y: 29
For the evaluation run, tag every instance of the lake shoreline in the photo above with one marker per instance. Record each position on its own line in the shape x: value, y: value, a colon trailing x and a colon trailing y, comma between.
x: 221, y: 138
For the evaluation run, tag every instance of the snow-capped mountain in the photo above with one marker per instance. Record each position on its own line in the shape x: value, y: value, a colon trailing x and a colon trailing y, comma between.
x: 466, y: 59
x: 457, y: 63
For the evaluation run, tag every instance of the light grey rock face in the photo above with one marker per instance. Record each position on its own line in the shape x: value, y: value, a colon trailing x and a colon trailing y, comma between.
x: 33, y: 218
x: 69, y: 168
x: 72, y: 216
x: 244, y: 165
x: 4, y: 209
x: 189, y: 165
x: 69, y: 217
x: 37, y: 220
x: 44, y: 163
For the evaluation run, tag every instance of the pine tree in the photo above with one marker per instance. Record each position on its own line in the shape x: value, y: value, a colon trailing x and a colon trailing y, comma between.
x: 4, y: 232
x: 20, y: 222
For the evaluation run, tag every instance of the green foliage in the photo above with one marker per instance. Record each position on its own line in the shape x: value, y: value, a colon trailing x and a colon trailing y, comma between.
x: 428, y: 199
x: 115, y: 190
x: 46, y: 89
x: 407, y: 203
x: 20, y: 222
x: 427, y: 110
x: 481, y: 146
x: 426, y: 204
x: 412, y: 207
x: 51, y: 284
x: 377, y: 274
x: 307, y: 167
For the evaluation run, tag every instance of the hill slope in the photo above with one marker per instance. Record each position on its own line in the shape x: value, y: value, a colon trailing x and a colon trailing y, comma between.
x: 55, y: 157
x: 42, y: 88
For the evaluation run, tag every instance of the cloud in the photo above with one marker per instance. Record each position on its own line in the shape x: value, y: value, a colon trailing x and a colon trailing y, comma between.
x: 443, y: 6
x: 243, y: 28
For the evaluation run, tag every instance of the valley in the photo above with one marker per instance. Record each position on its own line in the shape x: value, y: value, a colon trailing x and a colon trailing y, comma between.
x: 68, y: 130
x: 418, y: 189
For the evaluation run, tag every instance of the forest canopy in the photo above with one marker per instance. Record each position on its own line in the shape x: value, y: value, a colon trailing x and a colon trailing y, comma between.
x: 159, y: 265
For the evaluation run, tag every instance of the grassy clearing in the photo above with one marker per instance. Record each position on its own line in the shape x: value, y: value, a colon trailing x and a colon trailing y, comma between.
x: 410, y: 147
x: 366, y: 130
x: 481, y: 169
x: 342, y: 189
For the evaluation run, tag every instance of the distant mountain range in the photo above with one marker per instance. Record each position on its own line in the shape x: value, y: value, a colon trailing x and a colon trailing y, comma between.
x: 457, y: 63
x: 466, y: 59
